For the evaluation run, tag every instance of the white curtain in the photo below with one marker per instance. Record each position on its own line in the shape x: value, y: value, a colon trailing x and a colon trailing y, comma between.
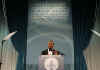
x: 9, y: 54
x: 92, y: 53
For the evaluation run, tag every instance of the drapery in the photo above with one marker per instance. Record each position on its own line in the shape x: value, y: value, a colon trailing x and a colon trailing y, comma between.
x: 83, y: 21
x: 92, y: 52
x: 14, y: 48
x: 9, y: 54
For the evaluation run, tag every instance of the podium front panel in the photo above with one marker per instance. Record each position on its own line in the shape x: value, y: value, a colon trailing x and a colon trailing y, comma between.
x: 51, y: 62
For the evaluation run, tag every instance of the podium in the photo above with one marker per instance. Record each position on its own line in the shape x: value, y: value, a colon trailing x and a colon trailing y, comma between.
x: 51, y: 62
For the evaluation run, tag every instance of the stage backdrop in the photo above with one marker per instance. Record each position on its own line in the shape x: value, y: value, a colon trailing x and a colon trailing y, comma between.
x: 49, y: 20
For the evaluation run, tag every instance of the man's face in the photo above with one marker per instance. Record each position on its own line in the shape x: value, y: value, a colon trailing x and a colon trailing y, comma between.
x: 50, y: 44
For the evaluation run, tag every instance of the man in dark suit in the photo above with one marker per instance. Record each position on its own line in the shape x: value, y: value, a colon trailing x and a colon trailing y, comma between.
x: 51, y: 50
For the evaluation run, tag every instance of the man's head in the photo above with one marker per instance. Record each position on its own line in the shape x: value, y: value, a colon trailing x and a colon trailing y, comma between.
x: 50, y: 44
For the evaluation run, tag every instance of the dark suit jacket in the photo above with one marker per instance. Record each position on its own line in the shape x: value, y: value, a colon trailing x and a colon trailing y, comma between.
x: 45, y: 52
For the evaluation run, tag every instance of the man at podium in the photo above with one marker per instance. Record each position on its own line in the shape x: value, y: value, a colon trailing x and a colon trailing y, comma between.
x: 54, y: 62
x: 51, y: 50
